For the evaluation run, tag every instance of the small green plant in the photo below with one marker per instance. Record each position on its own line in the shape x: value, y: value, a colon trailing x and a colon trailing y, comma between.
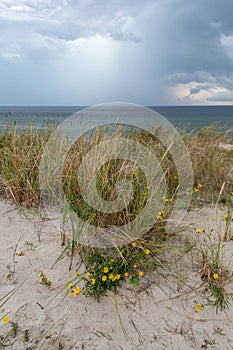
x: 134, y: 280
x: 213, y: 272
x: 15, y: 327
x: 105, y: 271
x: 44, y: 280
x: 26, y: 336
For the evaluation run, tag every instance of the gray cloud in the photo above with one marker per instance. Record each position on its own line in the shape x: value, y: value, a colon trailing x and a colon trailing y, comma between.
x: 91, y: 51
x: 225, y: 96
x: 195, y: 90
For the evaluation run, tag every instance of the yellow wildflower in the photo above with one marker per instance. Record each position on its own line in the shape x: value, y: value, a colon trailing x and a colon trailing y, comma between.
x: 118, y: 276
x: 111, y: 276
x: 126, y: 274
x: 200, y: 185
x: 113, y: 239
x: 232, y: 193
x: 134, y: 244
x: 104, y: 278
x: 135, y: 265
x: 225, y: 216
x: 87, y: 274
x: 75, y: 274
x: 199, y: 230
x: 5, y: 320
x: 140, y: 273
x: 198, y: 307
x: 93, y: 281
x: 147, y: 251
x: 215, y: 276
x: 112, y: 260
x: 76, y: 291
x: 159, y: 217
x: 105, y: 269
x: 175, y: 177
x: 70, y: 286
x: 196, y: 189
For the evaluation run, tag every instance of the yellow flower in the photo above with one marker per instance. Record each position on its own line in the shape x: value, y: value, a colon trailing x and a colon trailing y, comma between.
x: 76, y: 291
x: 198, y: 307
x: 136, y: 173
x: 111, y: 276
x: 118, y: 276
x: 93, y: 281
x: 215, y: 276
x: 142, y: 241
x: 196, y: 190
x: 159, y: 217
x: 232, y: 193
x: 5, y: 320
x: 135, y: 265
x: 175, y: 177
x: 105, y: 269
x: 199, y: 230
x: 113, y: 239
x: 75, y: 274
x: 112, y: 260
x: 147, y: 251
x: 126, y: 274
x: 70, y: 286
x: 225, y: 216
x: 140, y: 273
x: 104, y: 278
x: 87, y: 274
x: 134, y: 244
x: 200, y: 185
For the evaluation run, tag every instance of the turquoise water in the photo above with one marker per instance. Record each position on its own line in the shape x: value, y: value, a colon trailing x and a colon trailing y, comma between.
x: 190, y: 117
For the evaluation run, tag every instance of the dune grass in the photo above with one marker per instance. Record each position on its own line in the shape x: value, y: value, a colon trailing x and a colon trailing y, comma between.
x: 105, y: 269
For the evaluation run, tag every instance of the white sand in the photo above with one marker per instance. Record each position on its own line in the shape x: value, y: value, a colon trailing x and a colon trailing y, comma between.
x: 164, y: 313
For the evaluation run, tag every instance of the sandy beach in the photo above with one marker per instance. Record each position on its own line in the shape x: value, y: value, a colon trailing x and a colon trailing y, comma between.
x: 158, y: 314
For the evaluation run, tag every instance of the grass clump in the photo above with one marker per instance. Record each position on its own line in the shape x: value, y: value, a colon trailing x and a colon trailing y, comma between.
x: 20, y: 155
x: 213, y: 271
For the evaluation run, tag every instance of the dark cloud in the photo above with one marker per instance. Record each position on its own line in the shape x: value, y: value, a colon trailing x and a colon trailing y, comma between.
x: 91, y: 51
x: 195, y: 90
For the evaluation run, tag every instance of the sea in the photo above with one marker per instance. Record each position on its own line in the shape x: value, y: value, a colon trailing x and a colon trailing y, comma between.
x: 188, y: 118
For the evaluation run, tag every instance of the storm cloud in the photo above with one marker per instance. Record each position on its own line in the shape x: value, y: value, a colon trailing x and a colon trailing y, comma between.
x: 92, y: 51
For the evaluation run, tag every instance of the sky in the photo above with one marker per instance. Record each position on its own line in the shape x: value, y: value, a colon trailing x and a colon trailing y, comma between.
x: 85, y: 52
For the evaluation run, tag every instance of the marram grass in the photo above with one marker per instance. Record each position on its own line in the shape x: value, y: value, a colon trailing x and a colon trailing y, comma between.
x: 20, y: 156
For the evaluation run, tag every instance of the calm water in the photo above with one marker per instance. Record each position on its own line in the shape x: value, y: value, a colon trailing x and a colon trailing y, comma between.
x: 190, y: 117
